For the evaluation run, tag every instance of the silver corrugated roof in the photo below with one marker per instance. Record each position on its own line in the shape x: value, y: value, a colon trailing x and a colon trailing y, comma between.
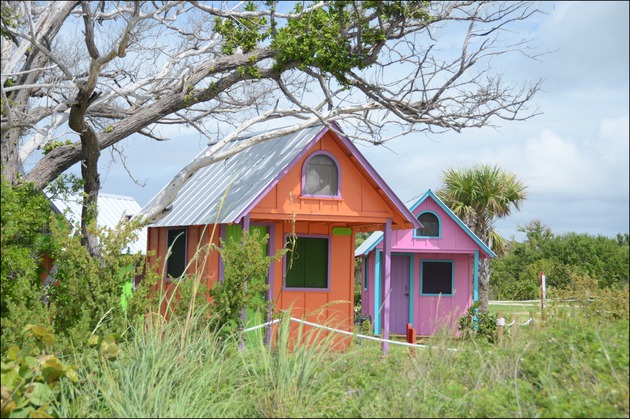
x: 370, y: 243
x: 235, y: 183
x: 111, y: 209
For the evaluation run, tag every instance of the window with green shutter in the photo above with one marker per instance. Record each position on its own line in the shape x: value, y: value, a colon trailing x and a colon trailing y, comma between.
x: 307, y: 265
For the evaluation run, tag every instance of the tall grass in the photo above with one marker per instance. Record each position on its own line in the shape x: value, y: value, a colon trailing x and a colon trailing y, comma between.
x: 292, y: 378
x: 569, y: 366
x: 152, y: 377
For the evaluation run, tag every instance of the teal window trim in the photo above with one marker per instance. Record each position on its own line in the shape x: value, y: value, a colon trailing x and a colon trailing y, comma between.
x: 412, y: 293
x: 422, y: 274
x: 476, y: 276
x: 377, y: 292
x: 439, y: 222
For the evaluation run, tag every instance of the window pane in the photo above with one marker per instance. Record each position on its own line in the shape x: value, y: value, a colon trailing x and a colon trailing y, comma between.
x: 310, y: 264
x: 176, y: 242
x: 322, y: 176
x: 317, y: 263
x: 437, y: 277
x: 430, y: 225
x: 295, y: 264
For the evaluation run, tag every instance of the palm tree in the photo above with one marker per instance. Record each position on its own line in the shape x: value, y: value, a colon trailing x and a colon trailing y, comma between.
x: 480, y: 195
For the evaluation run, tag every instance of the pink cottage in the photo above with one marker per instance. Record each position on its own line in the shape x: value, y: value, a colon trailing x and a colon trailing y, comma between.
x: 433, y: 276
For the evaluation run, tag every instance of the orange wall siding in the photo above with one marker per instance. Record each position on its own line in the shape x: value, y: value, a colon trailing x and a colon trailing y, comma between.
x: 333, y: 307
x: 359, y: 201
x: 200, y: 258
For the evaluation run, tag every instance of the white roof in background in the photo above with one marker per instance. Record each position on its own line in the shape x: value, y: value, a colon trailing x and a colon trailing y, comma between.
x: 223, y: 191
x: 370, y: 243
x: 111, y: 209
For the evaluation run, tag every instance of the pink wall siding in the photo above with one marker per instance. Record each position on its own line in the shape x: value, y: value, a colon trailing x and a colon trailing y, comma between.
x: 432, y: 313
x: 453, y: 237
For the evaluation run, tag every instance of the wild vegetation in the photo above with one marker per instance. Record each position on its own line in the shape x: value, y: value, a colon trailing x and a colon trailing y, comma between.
x: 60, y: 359
x: 565, y: 259
x: 569, y: 365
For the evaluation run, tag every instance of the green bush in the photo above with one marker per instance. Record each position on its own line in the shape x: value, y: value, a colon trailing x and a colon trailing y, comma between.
x: 242, y: 287
x: 30, y: 376
x: 515, y: 276
x: 85, y: 292
x: 590, y: 299
x: 24, y: 222
x: 475, y: 324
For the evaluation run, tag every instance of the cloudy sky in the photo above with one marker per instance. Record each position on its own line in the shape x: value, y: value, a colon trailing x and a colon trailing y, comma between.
x: 573, y: 157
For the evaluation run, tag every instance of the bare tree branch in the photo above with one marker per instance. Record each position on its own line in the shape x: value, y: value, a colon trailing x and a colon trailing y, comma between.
x: 109, y: 70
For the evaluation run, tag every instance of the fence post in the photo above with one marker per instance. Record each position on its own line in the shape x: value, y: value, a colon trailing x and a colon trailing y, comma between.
x: 500, y: 326
x: 411, y: 338
x: 514, y: 322
x: 543, y: 294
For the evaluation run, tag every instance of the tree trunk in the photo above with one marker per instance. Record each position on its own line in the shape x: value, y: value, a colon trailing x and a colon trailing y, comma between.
x: 9, y: 155
x: 52, y: 19
x: 89, y: 169
x: 484, y: 283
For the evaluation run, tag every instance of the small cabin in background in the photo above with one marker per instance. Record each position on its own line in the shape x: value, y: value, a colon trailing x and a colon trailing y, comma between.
x: 111, y: 210
x: 434, y: 271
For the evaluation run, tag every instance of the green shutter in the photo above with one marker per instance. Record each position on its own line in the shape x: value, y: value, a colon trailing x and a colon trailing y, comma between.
x: 232, y: 233
x: 296, y: 263
x: 317, y: 263
x: 310, y: 263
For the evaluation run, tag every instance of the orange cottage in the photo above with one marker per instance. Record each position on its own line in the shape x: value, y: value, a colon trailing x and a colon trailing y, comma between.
x: 313, y: 183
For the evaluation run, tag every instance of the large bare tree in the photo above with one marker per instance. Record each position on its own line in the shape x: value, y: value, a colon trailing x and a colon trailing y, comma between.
x: 80, y: 76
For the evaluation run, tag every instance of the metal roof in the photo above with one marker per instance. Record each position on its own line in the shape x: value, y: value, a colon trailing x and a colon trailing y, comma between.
x: 370, y: 243
x: 111, y: 209
x: 224, y: 192
x: 375, y: 238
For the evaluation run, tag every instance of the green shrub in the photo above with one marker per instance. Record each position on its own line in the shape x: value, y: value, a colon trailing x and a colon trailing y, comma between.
x: 243, y: 286
x: 30, y: 376
x: 24, y: 222
x: 591, y: 299
x: 85, y: 292
x: 475, y: 324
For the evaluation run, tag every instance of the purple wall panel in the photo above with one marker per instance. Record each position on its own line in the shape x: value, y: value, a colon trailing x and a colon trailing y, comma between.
x: 400, y: 294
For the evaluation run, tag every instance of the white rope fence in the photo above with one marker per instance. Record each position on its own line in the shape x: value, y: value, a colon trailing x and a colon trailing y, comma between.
x: 520, y: 324
x: 345, y: 332
x: 500, y: 323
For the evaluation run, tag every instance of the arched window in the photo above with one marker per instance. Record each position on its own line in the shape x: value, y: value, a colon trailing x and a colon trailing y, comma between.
x: 321, y: 176
x: 430, y: 225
